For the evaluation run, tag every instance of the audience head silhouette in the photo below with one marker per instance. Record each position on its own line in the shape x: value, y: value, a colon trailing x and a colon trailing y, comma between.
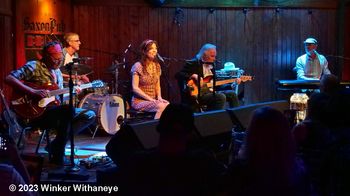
x: 270, y: 145
x: 176, y: 118
x: 329, y: 84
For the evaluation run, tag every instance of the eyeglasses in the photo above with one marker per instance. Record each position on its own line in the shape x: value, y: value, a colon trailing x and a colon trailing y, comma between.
x: 58, y: 59
x: 75, y: 40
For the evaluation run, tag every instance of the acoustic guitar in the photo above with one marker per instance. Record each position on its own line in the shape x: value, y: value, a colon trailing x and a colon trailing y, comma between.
x: 29, y: 108
x: 207, y: 83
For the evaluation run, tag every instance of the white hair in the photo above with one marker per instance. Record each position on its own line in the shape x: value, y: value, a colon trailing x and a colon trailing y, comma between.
x: 204, y: 48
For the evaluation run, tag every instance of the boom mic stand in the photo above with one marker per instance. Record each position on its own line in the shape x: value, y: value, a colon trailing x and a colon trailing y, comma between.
x: 170, y: 89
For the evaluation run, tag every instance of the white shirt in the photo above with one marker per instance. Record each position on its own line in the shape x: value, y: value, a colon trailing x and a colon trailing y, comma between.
x: 68, y: 59
x: 311, y: 69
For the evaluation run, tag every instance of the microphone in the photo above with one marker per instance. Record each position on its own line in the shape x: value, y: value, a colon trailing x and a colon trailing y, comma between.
x: 161, y: 59
x: 80, y: 59
x: 126, y: 50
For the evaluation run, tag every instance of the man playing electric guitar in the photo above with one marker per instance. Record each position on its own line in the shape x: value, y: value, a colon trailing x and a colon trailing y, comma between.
x: 45, y: 72
x: 200, y: 67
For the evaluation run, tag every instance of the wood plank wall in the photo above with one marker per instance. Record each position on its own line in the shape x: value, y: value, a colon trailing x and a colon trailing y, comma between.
x: 265, y: 42
x: 6, y: 44
x: 346, y: 66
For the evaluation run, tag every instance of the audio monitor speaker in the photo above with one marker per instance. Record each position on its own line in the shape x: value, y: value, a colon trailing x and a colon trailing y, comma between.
x: 241, y: 115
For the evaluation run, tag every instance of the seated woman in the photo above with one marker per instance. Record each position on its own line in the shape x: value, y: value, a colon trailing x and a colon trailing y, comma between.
x: 146, y: 81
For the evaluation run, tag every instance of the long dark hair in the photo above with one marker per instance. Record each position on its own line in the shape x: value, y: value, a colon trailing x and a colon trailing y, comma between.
x: 144, y: 48
x: 270, y: 144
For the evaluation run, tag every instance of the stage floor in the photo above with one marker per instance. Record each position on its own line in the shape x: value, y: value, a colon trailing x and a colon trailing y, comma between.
x: 89, y: 156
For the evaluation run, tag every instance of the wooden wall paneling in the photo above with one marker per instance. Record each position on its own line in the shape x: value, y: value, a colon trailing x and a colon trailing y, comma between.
x: 237, y: 30
x: 6, y: 8
x: 164, y: 40
x: 174, y: 51
x: 250, y: 54
x: 265, y: 39
x: 121, y: 41
x: 250, y: 3
x: 189, y: 38
x: 103, y: 33
x: 153, y: 24
x: 216, y: 3
x: 211, y: 27
x: 6, y: 45
x: 262, y: 42
x: 331, y: 40
x: 230, y: 34
x: 290, y: 33
x: 346, y: 29
x: 275, y: 62
x: 204, y: 30
x: 221, y: 29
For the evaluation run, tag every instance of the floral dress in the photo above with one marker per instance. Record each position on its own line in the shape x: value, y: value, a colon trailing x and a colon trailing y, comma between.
x: 148, y: 84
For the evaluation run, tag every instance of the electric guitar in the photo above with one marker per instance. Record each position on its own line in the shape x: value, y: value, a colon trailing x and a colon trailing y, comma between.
x: 29, y: 108
x: 14, y: 129
x: 207, y: 83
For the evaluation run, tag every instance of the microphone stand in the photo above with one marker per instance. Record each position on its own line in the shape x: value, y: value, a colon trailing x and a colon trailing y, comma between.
x: 166, y: 77
x: 72, y: 167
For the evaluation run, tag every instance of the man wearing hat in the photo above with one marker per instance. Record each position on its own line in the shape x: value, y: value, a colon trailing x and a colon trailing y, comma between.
x: 312, y: 65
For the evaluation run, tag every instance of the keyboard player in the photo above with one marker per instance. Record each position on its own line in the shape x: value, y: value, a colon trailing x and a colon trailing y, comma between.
x: 311, y: 65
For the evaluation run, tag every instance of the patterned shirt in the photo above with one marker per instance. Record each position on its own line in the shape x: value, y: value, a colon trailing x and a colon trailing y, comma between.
x: 37, y: 72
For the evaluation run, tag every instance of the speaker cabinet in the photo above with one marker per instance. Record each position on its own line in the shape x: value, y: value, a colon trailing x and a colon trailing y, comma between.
x: 241, y: 115
x: 213, y: 122
x: 146, y: 133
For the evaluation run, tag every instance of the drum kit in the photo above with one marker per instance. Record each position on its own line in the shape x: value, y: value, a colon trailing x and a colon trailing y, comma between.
x: 110, y: 109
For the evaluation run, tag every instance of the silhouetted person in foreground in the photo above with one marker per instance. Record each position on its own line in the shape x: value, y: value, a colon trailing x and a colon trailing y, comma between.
x: 267, y: 164
x: 174, y: 168
x: 323, y: 138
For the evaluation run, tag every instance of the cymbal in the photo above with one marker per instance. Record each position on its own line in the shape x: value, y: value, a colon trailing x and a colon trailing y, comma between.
x: 114, y: 66
x: 80, y: 69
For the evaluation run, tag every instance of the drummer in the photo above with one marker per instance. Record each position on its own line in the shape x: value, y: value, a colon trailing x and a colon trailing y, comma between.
x: 70, y: 51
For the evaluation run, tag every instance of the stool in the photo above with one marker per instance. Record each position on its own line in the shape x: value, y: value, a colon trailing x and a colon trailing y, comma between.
x: 140, y: 115
x: 45, y: 133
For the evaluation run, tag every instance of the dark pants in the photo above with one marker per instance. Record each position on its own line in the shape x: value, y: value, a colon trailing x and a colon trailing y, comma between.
x: 213, y: 101
x: 231, y: 98
x: 58, y: 118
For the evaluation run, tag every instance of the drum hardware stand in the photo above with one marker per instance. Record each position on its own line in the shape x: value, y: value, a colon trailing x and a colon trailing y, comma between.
x: 95, y: 131
x: 75, y: 83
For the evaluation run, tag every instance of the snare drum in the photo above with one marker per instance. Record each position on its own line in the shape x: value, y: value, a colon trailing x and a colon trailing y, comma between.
x: 110, y: 110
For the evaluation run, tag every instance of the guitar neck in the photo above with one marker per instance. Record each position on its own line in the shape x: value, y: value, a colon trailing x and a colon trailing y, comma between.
x: 222, y: 82
x: 66, y: 90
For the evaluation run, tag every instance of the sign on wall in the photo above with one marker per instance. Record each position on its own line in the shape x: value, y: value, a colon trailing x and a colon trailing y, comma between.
x: 37, y: 33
